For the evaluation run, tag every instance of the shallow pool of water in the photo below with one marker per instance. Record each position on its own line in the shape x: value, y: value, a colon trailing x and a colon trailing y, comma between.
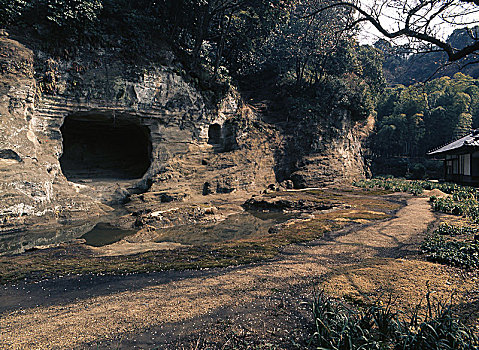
x: 104, y: 234
x: 18, y: 241
x: 236, y: 226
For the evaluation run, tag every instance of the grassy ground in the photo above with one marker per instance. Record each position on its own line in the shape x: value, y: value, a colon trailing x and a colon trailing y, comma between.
x: 253, y: 306
x: 455, y: 241
x: 352, y: 206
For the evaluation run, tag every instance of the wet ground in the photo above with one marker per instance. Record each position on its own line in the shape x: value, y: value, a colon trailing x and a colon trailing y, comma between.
x: 234, y: 227
x: 103, y: 234
x: 263, y: 305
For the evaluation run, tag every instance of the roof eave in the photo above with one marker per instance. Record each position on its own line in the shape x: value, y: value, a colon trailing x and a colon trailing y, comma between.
x: 456, y: 151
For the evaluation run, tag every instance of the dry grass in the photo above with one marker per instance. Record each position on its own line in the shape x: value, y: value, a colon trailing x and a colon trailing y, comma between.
x: 359, y: 264
x: 406, y: 281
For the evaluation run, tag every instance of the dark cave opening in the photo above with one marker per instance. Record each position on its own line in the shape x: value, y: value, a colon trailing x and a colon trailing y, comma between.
x: 214, y: 134
x: 104, y: 147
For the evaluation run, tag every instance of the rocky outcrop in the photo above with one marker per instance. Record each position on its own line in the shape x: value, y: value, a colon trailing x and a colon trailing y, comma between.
x: 197, y: 149
x: 329, y: 150
x: 31, y: 181
x: 283, y: 202
x: 34, y: 104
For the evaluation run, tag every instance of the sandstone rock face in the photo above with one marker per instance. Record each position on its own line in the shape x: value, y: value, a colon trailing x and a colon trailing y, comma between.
x: 194, y: 148
x: 330, y: 152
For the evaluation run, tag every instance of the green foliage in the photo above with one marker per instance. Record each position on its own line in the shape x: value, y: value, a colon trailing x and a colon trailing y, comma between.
x: 458, y: 192
x: 392, y: 184
x: 415, y: 119
x: 453, y: 230
x: 305, y: 49
x: 73, y: 12
x: 316, y: 64
x: 349, y: 92
x: 411, y: 168
x: 467, y: 207
x: 337, y: 327
x: 449, y: 206
x: 462, y: 252
x: 378, y: 327
x: 55, y: 21
x: 11, y: 10
x: 418, y: 171
x: 451, y: 252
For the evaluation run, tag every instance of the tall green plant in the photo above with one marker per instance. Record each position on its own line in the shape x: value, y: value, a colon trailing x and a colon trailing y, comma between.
x: 338, y: 327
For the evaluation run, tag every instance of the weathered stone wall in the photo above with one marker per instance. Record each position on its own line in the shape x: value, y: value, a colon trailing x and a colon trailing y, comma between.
x: 33, y: 188
x: 37, y: 93
x: 330, y: 151
x: 31, y: 184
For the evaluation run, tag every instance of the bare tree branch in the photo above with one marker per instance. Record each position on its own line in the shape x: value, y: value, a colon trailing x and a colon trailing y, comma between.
x: 417, y: 20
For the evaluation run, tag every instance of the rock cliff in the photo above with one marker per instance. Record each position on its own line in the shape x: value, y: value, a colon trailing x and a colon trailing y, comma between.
x: 78, y: 134
x: 329, y: 151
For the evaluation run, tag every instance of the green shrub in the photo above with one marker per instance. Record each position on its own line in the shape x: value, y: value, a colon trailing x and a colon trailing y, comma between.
x: 451, y: 252
x: 10, y: 10
x: 72, y: 12
x: 418, y: 171
x: 378, y: 327
x: 453, y: 230
x: 62, y: 13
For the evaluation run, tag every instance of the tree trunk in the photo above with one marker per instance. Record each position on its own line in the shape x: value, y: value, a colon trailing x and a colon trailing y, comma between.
x: 221, y: 46
x: 298, y: 72
x: 203, y: 25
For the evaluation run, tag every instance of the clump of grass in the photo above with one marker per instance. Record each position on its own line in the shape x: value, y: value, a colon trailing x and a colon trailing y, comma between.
x: 338, y: 327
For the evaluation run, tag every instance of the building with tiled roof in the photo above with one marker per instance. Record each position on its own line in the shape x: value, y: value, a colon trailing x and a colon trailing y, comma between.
x: 461, y: 159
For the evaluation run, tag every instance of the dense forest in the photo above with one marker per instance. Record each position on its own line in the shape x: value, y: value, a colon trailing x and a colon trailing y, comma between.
x: 417, y: 118
x: 304, y: 63
x: 404, y: 66
x: 414, y: 119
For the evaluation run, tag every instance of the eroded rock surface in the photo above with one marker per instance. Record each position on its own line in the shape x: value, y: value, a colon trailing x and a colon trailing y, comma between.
x: 78, y: 117
x: 330, y: 151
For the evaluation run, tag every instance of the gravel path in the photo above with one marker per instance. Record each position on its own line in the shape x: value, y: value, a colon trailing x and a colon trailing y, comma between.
x: 157, y: 309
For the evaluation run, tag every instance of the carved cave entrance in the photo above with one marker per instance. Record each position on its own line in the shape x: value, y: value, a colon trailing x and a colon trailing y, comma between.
x: 104, y: 147
x: 214, y: 134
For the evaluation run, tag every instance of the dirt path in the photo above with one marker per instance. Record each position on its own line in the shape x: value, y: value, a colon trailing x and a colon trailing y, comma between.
x: 348, y: 263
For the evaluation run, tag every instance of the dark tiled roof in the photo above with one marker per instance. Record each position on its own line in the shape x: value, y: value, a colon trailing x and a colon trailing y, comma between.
x: 471, y: 140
